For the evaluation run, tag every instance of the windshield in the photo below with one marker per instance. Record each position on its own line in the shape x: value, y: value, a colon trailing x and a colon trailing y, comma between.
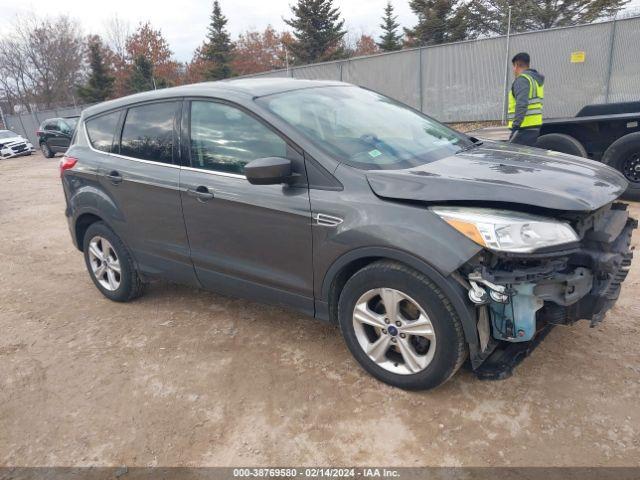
x: 72, y: 122
x: 365, y: 129
x: 8, y: 134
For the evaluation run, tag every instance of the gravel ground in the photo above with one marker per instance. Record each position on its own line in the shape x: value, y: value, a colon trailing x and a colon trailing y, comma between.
x: 187, y: 377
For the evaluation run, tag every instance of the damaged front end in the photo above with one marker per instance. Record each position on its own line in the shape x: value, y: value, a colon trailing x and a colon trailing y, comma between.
x: 520, y: 296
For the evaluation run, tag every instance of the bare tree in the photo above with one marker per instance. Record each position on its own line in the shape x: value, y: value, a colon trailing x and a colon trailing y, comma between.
x: 116, y: 33
x: 16, y: 78
x: 41, y: 62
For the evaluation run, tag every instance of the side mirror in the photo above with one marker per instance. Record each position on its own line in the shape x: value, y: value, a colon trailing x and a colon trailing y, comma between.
x: 268, y: 171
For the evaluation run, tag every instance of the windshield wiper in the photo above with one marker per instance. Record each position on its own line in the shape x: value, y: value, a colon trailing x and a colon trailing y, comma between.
x: 477, y: 143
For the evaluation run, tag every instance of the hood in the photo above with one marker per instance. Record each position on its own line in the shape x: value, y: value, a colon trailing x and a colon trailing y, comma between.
x: 537, y: 76
x: 498, y: 172
x: 11, y: 140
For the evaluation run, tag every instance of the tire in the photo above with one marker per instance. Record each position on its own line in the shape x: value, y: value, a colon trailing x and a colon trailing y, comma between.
x: 560, y: 142
x: 435, y: 359
x: 46, y: 151
x: 127, y: 284
x: 624, y: 156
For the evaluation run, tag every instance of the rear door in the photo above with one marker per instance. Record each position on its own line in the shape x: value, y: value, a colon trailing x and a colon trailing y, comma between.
x: 141, y: 177
x: 54, y: 135
x: 250, y: 240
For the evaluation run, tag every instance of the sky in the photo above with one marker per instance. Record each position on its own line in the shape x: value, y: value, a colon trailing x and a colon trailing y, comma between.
x: 184, y: 22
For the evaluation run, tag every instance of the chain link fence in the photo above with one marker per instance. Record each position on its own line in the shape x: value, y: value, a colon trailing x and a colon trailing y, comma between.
x: 26, y: 124
x: 464, y: 81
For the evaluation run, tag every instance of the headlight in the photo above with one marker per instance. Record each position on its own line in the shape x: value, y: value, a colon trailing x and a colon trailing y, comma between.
x: 505, y: 230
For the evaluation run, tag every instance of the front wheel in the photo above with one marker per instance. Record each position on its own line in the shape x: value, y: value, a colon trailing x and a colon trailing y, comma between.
x: 46, y: 151
x: 401, y: 327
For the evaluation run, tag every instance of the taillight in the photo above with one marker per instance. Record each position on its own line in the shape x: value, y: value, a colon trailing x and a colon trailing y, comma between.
x: 67, y: 163
x: 38, y: 133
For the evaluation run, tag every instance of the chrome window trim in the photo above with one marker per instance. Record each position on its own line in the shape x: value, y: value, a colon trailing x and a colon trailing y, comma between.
x: 215, y: 172
x: 151, y: 162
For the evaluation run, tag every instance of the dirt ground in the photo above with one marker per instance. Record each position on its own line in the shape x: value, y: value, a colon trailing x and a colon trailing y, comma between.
x: 191, y: 378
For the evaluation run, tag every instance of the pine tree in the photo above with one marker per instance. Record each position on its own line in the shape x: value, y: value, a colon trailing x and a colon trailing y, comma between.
x: 390, y: 40
x: 218, y: 49
x: 99, y: 85
x: 318, y: 31
x: 141, y: 79
x: 490, y: 16
x: 439, y: 21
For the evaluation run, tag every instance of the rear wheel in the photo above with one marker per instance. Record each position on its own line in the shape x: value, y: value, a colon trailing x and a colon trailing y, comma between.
x: 46, y: 151
x: 624, y: 156
x: 110, y: 265
x: 401, y: 327
x: 560, y: 142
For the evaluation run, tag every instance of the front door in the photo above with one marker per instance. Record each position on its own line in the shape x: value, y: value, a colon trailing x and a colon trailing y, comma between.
x: 249, y: 240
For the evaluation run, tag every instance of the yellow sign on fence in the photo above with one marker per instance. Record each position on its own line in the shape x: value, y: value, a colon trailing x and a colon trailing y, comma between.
x: 577, y: 57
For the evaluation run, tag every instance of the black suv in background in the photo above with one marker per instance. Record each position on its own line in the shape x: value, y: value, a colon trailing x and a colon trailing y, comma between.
x: 54, y: 135
x: 424, y: 245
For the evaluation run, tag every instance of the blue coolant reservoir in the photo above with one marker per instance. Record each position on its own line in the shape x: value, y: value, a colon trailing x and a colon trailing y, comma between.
x: 515, y: 321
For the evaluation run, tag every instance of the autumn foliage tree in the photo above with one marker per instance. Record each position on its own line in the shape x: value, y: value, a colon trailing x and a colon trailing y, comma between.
x: 151, y: 44
x: 365, y: 45
x: 260, y: 51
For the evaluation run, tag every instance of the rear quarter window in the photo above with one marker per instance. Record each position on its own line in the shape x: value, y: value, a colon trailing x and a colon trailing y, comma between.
x: 101, y: 130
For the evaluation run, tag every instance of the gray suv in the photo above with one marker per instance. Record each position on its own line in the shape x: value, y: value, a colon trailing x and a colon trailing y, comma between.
x: 427, y: 247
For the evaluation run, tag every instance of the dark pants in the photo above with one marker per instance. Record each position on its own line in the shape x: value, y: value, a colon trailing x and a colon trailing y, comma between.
x: 525, y: 136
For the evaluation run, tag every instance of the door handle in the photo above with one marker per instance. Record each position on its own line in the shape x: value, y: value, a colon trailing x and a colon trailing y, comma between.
x: 201, y: 192
x: 115, y: 177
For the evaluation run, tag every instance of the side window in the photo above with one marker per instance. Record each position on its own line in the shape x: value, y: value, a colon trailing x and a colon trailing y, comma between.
x: 225, y: 139
x: 101, y: 130
x: 148, y: 132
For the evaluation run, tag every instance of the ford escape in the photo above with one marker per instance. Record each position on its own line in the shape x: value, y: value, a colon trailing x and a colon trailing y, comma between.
x: 425, y: 246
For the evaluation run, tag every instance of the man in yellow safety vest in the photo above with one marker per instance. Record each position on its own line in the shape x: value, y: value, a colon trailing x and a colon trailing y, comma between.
x: 525, y: 101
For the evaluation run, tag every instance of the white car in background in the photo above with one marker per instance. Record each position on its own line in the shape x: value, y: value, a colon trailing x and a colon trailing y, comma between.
x: 14, y: 145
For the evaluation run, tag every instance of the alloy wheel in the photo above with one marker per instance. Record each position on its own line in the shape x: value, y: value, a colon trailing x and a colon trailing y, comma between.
x: 105, y: 264
x: 394, y: 331
x: 631, y: 168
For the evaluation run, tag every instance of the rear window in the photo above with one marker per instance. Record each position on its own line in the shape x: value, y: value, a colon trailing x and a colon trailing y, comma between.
x: 101, y: 130
x: 148, y: 132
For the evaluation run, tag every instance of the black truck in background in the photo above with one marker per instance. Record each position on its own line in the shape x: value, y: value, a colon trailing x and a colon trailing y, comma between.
x: 609, y: 133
